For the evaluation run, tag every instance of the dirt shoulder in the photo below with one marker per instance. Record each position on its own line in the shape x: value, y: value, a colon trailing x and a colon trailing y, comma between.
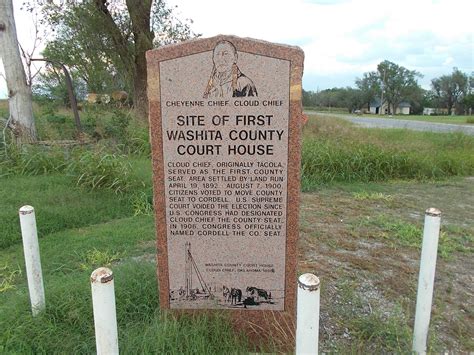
x: 363, y: 241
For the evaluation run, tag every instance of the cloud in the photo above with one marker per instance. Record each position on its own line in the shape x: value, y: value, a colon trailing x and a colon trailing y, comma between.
x: 349, y: 37
x: 345, y: 38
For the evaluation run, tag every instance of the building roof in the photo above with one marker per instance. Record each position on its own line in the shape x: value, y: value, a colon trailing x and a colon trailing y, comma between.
x: 376, y: 103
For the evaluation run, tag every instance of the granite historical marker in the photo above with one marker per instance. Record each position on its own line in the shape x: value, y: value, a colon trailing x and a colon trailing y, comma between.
x: 225, y: 118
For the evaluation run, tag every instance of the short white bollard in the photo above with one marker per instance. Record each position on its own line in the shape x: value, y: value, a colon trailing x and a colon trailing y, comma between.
x: 34, y: 274
x: 105, y: 318
x: 307, y: 315
x: 424, y: 296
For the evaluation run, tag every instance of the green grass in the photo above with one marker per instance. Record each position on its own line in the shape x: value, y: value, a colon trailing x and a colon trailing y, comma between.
x: 80, y: 229
x: 370, y: 330
x: 59, y: 205
x: 337, y: 151
x: 399, y: 233
x: 67, y: 324
x: 87, y: 226
x: 86, y: 195
x: 372, y: 196
x: 68, y: 258
x: 393, y: 332
x: 339, y: 110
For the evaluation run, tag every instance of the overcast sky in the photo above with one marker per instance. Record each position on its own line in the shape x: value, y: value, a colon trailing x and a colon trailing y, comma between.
x: 341, y: 39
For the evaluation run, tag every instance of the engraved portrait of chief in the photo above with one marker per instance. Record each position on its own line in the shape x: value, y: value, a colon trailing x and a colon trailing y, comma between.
x: 226, y: 79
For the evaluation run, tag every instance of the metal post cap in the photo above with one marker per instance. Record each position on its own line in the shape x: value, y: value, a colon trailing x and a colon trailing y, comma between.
x: 27, y: 209
x: 102, y: 275
x: 308, y: 282
x: 433, y: 212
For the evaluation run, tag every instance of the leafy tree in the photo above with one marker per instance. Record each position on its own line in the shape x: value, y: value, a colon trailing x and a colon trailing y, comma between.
x: 392, y: 81
x: 468, y: 103
x: 451, y: 89
x: 353, y: 99
x: 430, y: 99
x: 369, y: 85
x: 51, y: 85
x: 417, y: 101
x: 106, y: 41
x: 349, y: 98
x: 309, y: 98
x: 398, y: 83
x: 21, y: 121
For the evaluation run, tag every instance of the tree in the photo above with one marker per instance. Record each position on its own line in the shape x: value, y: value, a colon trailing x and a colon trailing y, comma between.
x: 451, y: 89
x: 392, y: 82
x: 369, y: 86
x: 398, y: 84
x: 353, y: 99
x: 309, y: 98
x: 349, y: 98
x: 21, y: 121
x: 106, y: 41
x: 468, y: 103
x: 52, y: 85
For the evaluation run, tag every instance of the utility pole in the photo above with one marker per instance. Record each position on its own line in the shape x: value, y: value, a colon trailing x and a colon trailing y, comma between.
x: 381, y: 94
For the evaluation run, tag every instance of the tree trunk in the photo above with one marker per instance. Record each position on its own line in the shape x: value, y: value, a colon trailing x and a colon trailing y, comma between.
x: 134, y: 60
x: 140, y: 12
x: 140, y: 98
x: 21, y: 120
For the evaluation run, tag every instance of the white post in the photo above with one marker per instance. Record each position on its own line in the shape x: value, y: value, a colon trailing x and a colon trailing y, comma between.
x: 34, y: 274
x: 307, y: 315
x: 105, y: 318
x: 426, y: 279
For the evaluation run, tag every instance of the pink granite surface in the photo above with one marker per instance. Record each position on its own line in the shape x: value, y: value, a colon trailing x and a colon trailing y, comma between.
x: 183, y: 80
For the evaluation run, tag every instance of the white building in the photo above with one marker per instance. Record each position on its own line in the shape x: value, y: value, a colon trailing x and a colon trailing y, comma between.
x: 402, y: 109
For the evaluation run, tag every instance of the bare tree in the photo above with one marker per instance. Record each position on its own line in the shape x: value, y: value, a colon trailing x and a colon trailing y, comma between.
x: 21, y: 120
x: 27, y: 55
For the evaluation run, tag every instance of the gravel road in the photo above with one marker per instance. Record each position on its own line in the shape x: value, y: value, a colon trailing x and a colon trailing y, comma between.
x: 377, y: 122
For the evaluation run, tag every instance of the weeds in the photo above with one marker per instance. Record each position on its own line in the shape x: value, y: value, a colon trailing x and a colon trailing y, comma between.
x: 335, y: 151
x: 29, y: 160
x: 400, y: 233
x: 94, y: 258
x: 377, y: 196
x: 376, y: 328
x: 8, y: 277
x: 142, y: 204
x: 98, y: 169
x: 379, y: 330
x: 92, y: 169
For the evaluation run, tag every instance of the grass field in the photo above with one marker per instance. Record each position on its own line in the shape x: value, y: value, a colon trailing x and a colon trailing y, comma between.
x: 337, y: 151
x: 360, y: 231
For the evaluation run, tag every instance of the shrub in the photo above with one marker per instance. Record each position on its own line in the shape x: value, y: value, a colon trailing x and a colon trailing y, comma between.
x: 101, y: 123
